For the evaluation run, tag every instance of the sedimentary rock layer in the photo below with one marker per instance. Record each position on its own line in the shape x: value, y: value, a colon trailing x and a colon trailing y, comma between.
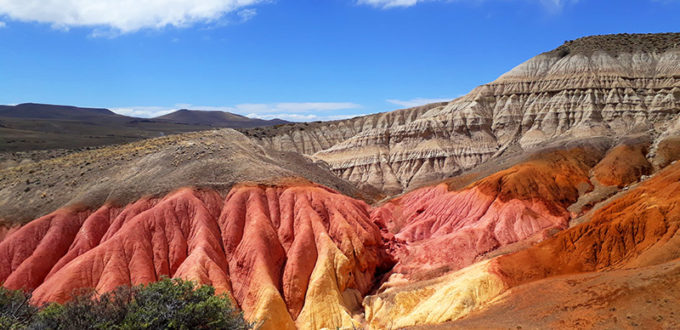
x: 630, y: 85
x: 623, y: 165
x: 437, y: 228
x: 630, y: 245
x: 300, y: 255
x: 309, y: 138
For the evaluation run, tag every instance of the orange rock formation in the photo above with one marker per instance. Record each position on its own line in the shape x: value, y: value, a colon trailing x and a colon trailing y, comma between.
x: 623, y: 165
x: 627, y: 254
x: 299, y: 255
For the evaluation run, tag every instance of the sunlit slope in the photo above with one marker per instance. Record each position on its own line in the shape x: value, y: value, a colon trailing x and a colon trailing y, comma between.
x: 289, y: 255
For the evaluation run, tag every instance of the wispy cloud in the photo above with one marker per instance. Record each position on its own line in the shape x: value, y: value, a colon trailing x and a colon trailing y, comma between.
x: 144, y: 111
x: 2, y: 24
x: 416, y: 102
x: 390, y: 3
x: 247, y: 14
x: 303, y: 117
x: 293, y: 111
x: 124, y: 16
x: 551, y: 5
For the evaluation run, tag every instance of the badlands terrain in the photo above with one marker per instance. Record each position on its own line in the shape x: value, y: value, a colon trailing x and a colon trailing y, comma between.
x: 548, y: 198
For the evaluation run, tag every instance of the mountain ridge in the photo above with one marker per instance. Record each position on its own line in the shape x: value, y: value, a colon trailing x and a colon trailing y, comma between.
x: 217, y: 119
x: 35, y: 126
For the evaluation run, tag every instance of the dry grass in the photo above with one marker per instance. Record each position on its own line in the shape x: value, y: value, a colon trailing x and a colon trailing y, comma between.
x: 619, y: 43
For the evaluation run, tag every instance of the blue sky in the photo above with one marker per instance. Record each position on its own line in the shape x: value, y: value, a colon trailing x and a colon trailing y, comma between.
x: 294, y: 59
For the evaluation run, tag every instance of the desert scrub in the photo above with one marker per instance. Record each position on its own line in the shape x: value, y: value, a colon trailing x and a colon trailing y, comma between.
x: 166, y: 304
x: 15, y: 311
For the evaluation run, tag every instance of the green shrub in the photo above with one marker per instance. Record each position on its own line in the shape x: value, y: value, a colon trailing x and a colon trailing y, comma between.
x: 87, y: 311
x: 177, y: 304
x: 166, y: 304
x: 15, y: 311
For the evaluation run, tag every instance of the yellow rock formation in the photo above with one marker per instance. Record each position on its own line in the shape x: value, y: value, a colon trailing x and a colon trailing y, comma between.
x: 446, y: 298
x: 325, y: 305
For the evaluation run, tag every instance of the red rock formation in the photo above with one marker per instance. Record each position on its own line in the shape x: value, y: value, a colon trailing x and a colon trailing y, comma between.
x: 298, y: 253
x: 451, y: 229
x: 27, y: 256
x: 618, y: 270
x: 638, y: 229
x: 627, y: 254
x: 7, y: 230
x: 622, y: 165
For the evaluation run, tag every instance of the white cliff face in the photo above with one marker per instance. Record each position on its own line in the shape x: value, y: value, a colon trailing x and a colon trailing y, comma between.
x: 547, y: 98
x: 309, y: 138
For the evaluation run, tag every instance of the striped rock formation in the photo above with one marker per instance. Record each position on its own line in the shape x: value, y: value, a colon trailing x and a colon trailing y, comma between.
x: 300, y: 255
x: 613, y: 85
x: 618, y: 269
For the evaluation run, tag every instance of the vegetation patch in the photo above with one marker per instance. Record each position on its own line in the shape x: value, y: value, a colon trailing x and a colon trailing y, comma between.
x: 166, y: 304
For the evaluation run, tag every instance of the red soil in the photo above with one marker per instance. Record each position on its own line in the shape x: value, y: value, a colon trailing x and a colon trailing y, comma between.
x: 258, y: 237
x: 638, y: 229
x: 434, y: 227
x: 282, y: 250
x: 623, y: 165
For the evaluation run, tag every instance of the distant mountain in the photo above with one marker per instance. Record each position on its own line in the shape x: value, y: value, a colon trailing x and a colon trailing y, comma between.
x: 217, y: 119
x: 32, y: 126
x: 61, y: 112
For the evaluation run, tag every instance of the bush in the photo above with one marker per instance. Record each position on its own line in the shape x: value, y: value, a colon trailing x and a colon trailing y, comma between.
x: 166, y: 304
x: 87, y: 311
x: 15, y: 311
x: 177, y: 304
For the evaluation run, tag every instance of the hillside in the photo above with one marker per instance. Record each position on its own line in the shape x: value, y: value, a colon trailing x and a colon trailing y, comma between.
x: 217, y: 119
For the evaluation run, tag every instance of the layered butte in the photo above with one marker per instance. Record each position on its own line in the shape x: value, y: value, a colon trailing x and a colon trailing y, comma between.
x: 594, y: 86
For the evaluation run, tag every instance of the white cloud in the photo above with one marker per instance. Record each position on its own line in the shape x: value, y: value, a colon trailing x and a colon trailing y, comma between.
x: 416, y: 102
x: 143, y: 112
x: 247, y: 14
x: 386, y: 4
x: 389, y: 3
x: 303, y: 117
x: 293, y: 111
x: 2, y: 24
x: 125, y: 16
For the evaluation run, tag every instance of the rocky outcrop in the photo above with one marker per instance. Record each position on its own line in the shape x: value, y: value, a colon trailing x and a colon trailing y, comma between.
x: 309, y: 138
x: 299, y: 255
x: 623, y: 165
x: 547, y: 98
